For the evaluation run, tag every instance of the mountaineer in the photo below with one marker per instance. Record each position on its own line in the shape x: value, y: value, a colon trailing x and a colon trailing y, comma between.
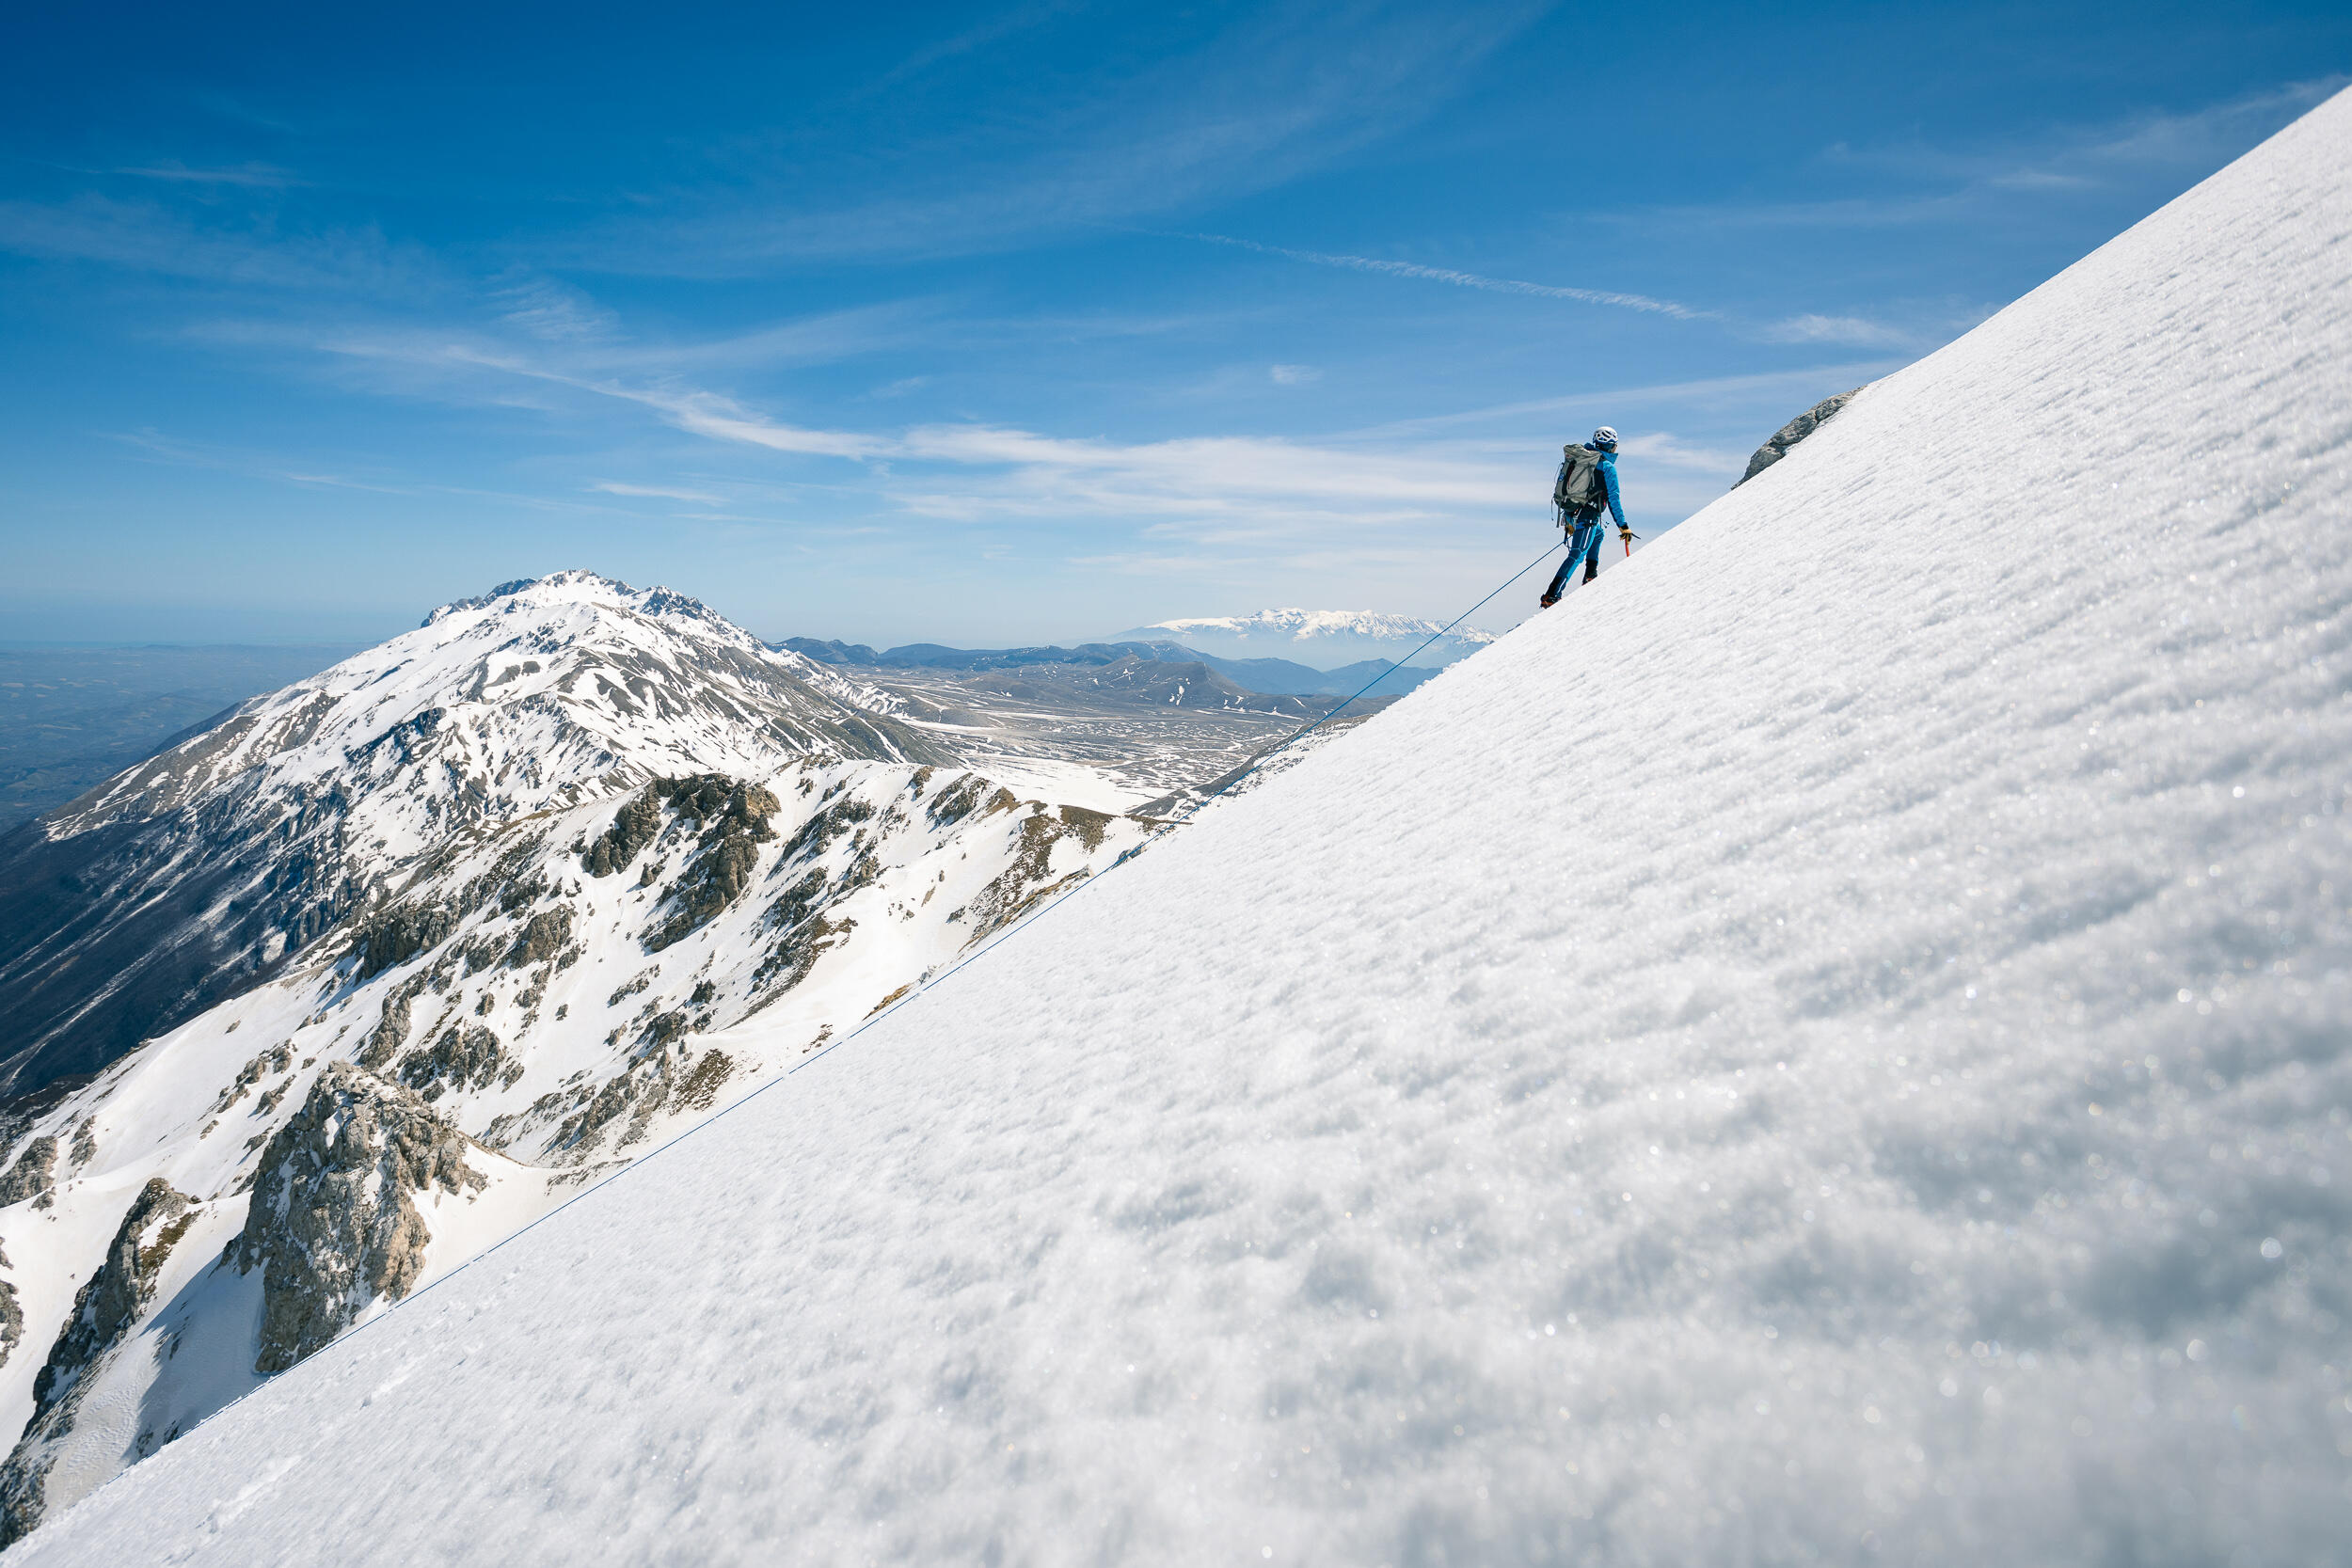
x: 1587, y: 488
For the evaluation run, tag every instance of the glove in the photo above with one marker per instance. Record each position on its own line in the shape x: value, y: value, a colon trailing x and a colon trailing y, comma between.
x: 1625, y: 533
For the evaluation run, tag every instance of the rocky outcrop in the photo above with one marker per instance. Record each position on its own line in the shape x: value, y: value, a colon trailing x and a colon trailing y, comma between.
x: 638, y: 824
x: 1029, y: 881
x: 656, y: 1083
x: 541, y: 940
x: 733, y: 821
x: 1794, y: 431
x: 334, y: 1225
x: 398, y: 934
x: 33, y: 1176
x: 11, y: 1316
x: 391, y: 1025
x: 104, y: 1311
x: 463, y: 1057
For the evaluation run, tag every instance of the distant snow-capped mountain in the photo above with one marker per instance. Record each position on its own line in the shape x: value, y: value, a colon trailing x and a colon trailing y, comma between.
x: 1324, y: 639
x: 203, y: 870
x: 411, y: 951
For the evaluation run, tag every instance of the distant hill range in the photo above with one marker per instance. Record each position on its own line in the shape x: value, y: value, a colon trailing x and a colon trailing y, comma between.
x: 1272, y: 676
x: 1320, y: 639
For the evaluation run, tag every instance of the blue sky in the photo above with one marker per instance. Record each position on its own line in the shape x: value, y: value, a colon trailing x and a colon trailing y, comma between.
x: 995, y: 323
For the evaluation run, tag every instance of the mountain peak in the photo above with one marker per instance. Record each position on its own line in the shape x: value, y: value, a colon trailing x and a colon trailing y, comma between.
x: 577, y: 586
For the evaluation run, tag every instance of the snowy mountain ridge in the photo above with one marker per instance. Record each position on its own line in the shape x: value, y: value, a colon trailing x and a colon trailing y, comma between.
x: 546, y: 954
x: 206, y: 866
x: 1875, y: 1088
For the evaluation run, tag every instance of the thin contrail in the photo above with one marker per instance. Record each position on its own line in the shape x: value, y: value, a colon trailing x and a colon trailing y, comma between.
x: 1462, y: 279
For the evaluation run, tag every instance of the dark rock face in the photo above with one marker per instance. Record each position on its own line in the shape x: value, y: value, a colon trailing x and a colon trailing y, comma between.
x: 1794, y: 431
x: 103, y: 1311
x: 637, y: 825
x: 398, y: 934
x: 541, y: 940
x: 33, y: 1176
x: 334, y: 1223
x: 462, y: 1058
x: 730, y: 821
x: 138, y: 904
x: 391, y: 1029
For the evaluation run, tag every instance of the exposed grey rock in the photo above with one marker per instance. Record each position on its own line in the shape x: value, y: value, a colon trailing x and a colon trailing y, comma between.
x: 1028, y: 881
x: 33, y: 1176
x: 658, y: 1081
x: 542, y: 939
x: 391, y: 1027
x: 826, y: 825
x: 733, y: 818
x: 398, y: 934
x: 279, y: 1058
x: 12, y: 1311
x: 462, y: 1058
x: 334, y: 1223
x: 104, y: 1313
x: 1794, y: 431
x: 85, y: 1143
x: 638, y: 824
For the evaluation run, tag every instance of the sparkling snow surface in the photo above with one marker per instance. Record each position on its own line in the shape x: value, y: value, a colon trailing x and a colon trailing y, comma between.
x: 1831, y: 1046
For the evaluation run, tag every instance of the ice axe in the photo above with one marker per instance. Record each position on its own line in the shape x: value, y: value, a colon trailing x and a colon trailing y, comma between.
x: 1629, y: 536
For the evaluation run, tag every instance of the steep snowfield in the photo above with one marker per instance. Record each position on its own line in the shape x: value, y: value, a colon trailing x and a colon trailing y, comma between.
x: 1324, y: 639
x: 1831, y: 1046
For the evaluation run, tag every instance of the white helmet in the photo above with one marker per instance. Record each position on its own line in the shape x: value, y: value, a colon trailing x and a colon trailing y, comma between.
x: 1604, y: 437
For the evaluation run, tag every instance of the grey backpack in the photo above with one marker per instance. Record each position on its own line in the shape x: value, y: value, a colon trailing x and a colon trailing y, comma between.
x: 1580, y: 490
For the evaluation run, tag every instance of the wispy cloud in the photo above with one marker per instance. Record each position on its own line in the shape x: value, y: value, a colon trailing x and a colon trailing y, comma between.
x: 2059, y: 161
x: 148, y: 238
x: 554, y: 311
x: 1458, y: 279
x: 1602, y: 401
x: 1294, y: 88
x: 1293, y: 376
x: 1851, y: 331
x: 613, y: 487
x: 257, y: 176
x: 1245, y: 487
x: 200, y: 454
x: 1019, y: 19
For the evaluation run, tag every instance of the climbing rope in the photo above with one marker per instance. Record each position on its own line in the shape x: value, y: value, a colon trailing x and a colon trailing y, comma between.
x: 1257, y: 762
x: 1226, y: 785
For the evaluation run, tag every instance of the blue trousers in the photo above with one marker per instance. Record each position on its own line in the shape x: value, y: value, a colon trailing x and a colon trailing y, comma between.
x: 1584, y: 549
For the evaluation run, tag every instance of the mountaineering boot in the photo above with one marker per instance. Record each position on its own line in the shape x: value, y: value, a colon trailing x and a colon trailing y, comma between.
x: 1546, y: 601
x: 1592, y: 567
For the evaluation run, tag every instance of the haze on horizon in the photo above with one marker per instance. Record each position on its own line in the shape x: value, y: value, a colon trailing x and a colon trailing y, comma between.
x: 1003, y: 326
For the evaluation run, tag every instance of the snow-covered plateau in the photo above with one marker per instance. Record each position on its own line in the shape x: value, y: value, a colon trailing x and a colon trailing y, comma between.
x: 1832, y: 1046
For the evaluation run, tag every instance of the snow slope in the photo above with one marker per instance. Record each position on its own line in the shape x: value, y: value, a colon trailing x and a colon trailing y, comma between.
x: 1324, y: 639
x: 625, y: 1025
x: 1858, y: 1074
